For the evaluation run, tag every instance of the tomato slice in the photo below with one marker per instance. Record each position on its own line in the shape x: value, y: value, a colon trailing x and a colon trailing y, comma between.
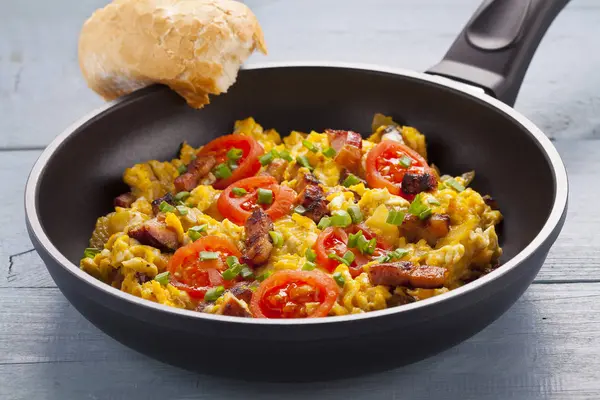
x: 295, y: 294
x: 238, y: 208
x: 385, y: 169
x: 247, y: 165
x: 194, y: 276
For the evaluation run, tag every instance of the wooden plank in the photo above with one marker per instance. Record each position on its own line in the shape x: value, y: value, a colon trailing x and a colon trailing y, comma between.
x: 546, y: 346
x: 44, y: 92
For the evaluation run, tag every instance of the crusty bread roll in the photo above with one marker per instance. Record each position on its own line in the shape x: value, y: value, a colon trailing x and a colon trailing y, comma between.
x: 196, y: 47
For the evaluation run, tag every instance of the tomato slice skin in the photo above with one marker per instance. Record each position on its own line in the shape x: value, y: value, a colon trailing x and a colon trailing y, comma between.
x: 196, y: 277
x: 275, y: 295
x: 238, y: 209
x: 384, y: 171
x: 248, y: 164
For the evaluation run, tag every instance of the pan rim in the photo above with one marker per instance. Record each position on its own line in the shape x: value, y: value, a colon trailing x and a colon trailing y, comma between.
x: 548, y: 229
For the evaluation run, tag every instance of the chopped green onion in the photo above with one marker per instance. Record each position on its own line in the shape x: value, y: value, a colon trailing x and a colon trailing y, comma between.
x: 335, y: 257
x: 222, y: 171
x: 329, y: 152
x: 370, y: 248
x: 235, y: 154
x: 303, y: 160
x: 417, y: 207
x: 353, y: 238
x: 396, y: 254
x: 425, y: 214
x: 182, y: 169
x: 406, y: 161
x: 246, y: 273
x: 231, y: 261
x: 454, y: 184
x: 208, y: 255
x: 434, y: 201
x: 182, y: 196
x: 395, y: 217
x: 199, y: 228
x: 351, y: 180
x: 299, y: 209
x: 285, y: 155
x: 339, y: 279
x: 276, y: 238
x: 349, y: 256
x: 193, y: 157
x: 310, y: 146
x: 264, y: 276
x: 182, y: 210
x: 214, y: 293
x: 340, y: 218
x: 355, y: 213
x: 265, y: 196
x: 362, y: 244
x: 90, y: 252
x: 238, y: 192
x: 309, y: 266
x: 162, y: 278
x: 234, y: 268
x: 166, y: 207
x: 324, y: 223
x: 194, y: 235
x: 310, y: 254
x: 266, y: 158
x: 229, y: 274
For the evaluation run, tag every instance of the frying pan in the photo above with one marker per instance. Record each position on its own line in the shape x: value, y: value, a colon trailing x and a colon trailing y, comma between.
x: 462, y: 105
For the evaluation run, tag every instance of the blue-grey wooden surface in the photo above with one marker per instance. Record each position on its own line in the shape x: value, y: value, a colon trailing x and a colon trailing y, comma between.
x: 546, y: 347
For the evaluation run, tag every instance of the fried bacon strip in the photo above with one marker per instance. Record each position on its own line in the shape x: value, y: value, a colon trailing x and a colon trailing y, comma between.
x: 276, y: 169
x: 196, y: 170
x: 156, y: 234
x: 347, y: 145
x: 405, y: 273
x: 417, y: 183
x: 311, y: 197
x: 124, y: 200
x: 258, y: 241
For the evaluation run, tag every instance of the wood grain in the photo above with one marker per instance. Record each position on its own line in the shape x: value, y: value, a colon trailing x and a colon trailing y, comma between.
x: 545, y: 347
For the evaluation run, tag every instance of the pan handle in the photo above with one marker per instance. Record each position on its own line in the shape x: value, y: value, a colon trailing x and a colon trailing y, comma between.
x: 496, y: 46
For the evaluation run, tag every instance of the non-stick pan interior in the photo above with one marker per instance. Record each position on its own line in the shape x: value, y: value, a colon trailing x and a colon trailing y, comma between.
x: 84, y: 175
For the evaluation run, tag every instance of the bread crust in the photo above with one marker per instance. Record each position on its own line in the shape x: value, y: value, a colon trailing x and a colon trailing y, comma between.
x: 195, y: 47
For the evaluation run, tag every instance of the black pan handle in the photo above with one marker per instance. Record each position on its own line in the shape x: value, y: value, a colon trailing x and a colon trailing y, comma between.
x: 496, y: 46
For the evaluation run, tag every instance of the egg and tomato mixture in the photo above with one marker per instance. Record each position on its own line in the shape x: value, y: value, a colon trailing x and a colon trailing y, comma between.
x: 309, y: 225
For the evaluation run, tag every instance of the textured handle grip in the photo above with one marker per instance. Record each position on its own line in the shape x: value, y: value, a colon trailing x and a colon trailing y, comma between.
x: 496, y: 46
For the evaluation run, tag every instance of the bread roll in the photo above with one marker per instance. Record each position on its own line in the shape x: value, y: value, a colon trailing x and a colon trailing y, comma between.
x: 196, y: 47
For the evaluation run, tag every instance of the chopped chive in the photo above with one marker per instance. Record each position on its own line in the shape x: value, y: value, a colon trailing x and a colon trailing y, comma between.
x: 454, y: 184
x: 355, y: 213
x: 266, y: 158
x: 340, y: 218
x: 309, y: 266
x: 182, y: 196
x: 434, y: 201
x: 276, y: 238
x: 265, y: 196
x: 310, y: 254
x: 339, y: 279
x: 229, y: 274
x: 238, y: 192
x: 182, y: 169
x: 166, y: 207
x: 393, y: 255
x: 264, y: 276
x: 349, y: 256
x: 90, y: 252
x: 214, y: 293
x: 417, y: 207
x: 370, y: 248
x: 353, y: 238
x: 299, y: 209
x: 395, y: 217
x: 162, y: 278
x: 194, y: 235
x: 324, y: 223
x: 425, y: 214
x: 275, y: 153
x: 235, y: 154
x: 246, y: 273
x: 351, y: 180
x: 208, y: 255
x: 335, y: 257
x: 310, y: 146
x: 182, y: 210
x: 222, y: 171
x: 199, y: 228
x: 329, y: 152
x: 362, y: 244
x: 285, y: 155
x: 406, y: 161
x: 303, y: 160
x: 231, y: 261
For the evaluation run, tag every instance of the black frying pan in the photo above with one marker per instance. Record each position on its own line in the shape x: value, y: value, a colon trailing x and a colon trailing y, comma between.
x: 78, y: 175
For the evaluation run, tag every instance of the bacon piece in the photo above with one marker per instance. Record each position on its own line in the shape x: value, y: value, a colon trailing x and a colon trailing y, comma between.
x: 167, y: 198
x: 417, y: 183
x: 311, y: 197
x: 258, y: 241
x: 404, y: 273
x: 304, y: 180
x: 124, y: 200
x: 431, y: 229
x: 234, y: 307
x: 276, y: 169
x: 347, y: 145
x: 490, y: 201
x: 196, y: 170
x: 243, y: 290
x: 156, y: 234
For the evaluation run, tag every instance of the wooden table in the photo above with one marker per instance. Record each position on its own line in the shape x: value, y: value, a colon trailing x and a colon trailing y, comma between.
x: 546, y: 347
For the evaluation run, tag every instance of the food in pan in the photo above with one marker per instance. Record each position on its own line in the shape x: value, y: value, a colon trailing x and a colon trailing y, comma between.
x: 309, y: 225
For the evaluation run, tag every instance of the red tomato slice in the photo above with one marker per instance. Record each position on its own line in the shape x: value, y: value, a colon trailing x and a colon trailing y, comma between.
x: 238, y: 209
x: 285, y: 294
x: 384, y: 169
x: 195, y: 276
x: 248, y: 165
